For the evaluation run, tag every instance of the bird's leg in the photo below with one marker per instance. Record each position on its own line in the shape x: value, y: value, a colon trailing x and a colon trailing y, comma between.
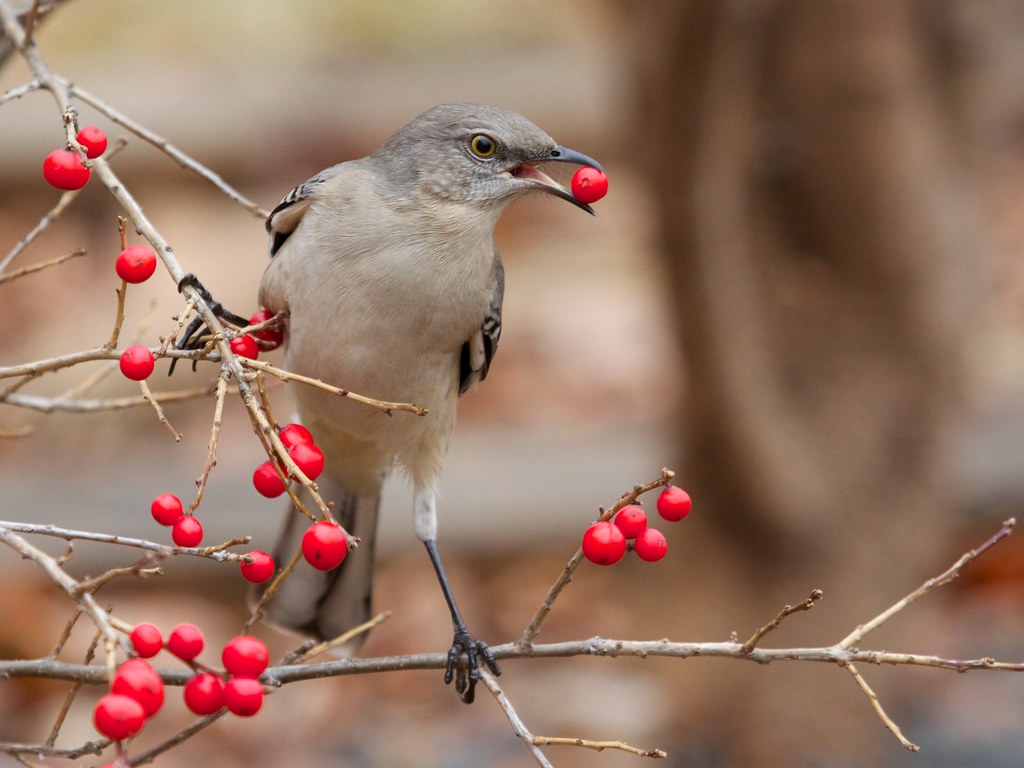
x: 463, y: 643
x: 197, y: 328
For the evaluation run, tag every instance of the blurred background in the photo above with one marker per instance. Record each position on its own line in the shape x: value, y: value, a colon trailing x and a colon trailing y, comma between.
x: 803, y: 293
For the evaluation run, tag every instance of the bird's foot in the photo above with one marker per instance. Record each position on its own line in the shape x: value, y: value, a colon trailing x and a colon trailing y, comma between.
x: 192, y: 336
x: 466, y: 675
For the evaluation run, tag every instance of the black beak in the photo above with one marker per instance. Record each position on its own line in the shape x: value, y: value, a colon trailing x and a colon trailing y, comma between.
x: 545, y: 183
x: 565, y: 155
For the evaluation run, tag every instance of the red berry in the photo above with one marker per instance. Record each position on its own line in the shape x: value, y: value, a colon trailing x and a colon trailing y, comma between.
x: 259, y: 568
x: 166, y: 509
x: 266, y: 480
x: 137, y: 362
x: 650, y: 545
x: 93, y: 140
x: 135, y: 264
x: 631, y: 520
x: 603, y: 543
x: 185, y: 641
x: 272, y: 338
x: 309, y: 459
x: 324, y: 546
x: 138, y: 680
x: 674, y: 503
x: 63, y: 169
x: 146, y: 640
x: 117, y: 716
x: 245, y: 346
x: 243, y: 696
x: 204, y: 694
x: 245, y: 656
x: 589, y: 185
x: 187, y: 531
x: 293, y: 434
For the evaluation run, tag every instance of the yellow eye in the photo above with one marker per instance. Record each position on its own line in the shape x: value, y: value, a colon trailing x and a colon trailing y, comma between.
x: 483, y: 145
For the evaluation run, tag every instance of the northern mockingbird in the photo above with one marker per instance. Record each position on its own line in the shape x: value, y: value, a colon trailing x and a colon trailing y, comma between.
x: 388, y: 270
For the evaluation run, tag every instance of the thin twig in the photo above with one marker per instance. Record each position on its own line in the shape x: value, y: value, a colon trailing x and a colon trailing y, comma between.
x: 18, y: 92
x: 50, y: 217
x: 787, y: 610
x: 118, y: 316
x: 30, y: 21
x: 341, y: 639
x: 518, y: 726
x: 65, y: 634
x: 269, y: 592
x: 85, y: 601
x: 71, y: 405
x: 286, y: 376
x: 598, y: 746
x: 88, y: 383
x: 89, y: 748
x: 143, y: 567
x: 942, y: 579
x: 215, y: 552
x: 179, y: 324
x: 184, y: 160
x: 211, y: 453
x: 31, y: 268
x: 877, y: 706
x: 183, y: 735
x: 69, y: 699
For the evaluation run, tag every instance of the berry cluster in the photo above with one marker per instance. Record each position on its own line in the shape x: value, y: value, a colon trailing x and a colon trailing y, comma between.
x: 137, y: 692
x: 248, y: 345
x: 64, y: 168
x: 605, y: 542
x: 324, y: 544
x: 269, y: 479
x: 589, y: 185
x: 271, y: 339
x: 186, y: 530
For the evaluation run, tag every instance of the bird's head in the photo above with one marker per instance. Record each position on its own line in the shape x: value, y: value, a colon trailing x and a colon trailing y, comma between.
x: 476, y: 155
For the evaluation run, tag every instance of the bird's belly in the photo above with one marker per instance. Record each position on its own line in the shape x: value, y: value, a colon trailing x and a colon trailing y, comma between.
x: 360, y: 435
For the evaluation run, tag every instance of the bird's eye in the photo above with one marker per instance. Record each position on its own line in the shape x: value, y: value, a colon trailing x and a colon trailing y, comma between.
x: 483, y: 145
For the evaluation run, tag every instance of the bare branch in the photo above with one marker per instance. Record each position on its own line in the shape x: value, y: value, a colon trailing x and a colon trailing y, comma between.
x: 877, y: 706
x: 72, y: 405
x: 513, y: 717
x: 287, y: 376
x: 184, y: 160
x: 787, y: 610
x: 941, y: 580
x: 215, y: 552
x: 40, y: 266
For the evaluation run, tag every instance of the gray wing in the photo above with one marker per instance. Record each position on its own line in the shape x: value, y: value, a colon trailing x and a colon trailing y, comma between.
x: 283, y: 220
x: 479, y: 349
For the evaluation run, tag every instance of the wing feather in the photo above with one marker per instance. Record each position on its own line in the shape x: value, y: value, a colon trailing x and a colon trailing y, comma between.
x: 479, y: 349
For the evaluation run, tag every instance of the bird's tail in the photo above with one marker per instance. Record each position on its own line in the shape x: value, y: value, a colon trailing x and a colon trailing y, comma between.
x: 326, y: 604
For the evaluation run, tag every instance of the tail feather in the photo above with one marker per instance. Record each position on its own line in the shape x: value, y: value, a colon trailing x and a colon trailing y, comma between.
x: 326, y: 604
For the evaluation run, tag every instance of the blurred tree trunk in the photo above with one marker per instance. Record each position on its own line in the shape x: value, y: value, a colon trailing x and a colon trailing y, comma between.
x: 824, y: 254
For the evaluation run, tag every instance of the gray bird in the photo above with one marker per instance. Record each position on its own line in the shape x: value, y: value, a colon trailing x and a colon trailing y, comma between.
x: 392, y: 282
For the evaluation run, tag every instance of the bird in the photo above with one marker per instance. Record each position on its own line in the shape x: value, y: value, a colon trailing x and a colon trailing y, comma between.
x: 386, y: 271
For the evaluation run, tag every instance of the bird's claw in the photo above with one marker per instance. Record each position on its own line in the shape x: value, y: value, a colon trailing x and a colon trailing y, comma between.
x: 196, y: 329
x: 466, y: 675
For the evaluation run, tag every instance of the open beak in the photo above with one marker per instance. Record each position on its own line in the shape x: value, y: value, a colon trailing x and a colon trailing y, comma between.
x: 545, y: 183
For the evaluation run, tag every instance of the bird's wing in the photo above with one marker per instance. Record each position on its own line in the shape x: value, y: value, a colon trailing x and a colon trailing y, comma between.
x: 479, y: 349
x: 283, y: 220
